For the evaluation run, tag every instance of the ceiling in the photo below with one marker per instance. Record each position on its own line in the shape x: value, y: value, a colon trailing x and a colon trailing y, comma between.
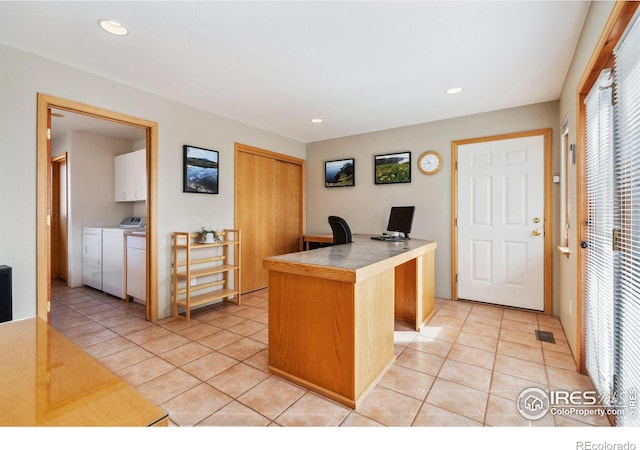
x: 360, y: 66
x: 62, y: 122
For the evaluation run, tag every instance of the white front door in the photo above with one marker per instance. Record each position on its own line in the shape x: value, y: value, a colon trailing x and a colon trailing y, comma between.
x: 501, y: 222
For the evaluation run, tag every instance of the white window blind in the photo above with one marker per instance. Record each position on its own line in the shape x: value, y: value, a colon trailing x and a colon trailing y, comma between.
x: 599, y: 282
x: 612, y: 271
x: 627, y: 170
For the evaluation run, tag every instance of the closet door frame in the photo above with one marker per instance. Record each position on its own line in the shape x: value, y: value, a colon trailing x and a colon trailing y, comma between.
x: 239, y: 208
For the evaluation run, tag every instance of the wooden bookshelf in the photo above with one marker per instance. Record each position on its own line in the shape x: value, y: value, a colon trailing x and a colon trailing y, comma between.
x: 205, y: 273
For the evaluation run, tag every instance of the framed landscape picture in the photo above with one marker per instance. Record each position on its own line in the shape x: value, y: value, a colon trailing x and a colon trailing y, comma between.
x: 200, y: 170
x: 392, y: 168
x: 340, y: 173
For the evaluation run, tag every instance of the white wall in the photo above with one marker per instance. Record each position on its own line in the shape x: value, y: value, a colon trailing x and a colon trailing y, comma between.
x: 568, y: 267
x: 91, y: 170
x: 23, y: 75
x: 366, y: 205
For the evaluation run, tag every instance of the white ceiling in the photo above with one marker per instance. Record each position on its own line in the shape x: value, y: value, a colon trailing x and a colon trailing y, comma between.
x: 63, y: 122
x: 361, y: 66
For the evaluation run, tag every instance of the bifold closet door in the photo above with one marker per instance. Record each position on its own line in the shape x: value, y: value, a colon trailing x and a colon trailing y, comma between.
x: 255, y: 204
x: 288, y: 207
x: 269, y: 211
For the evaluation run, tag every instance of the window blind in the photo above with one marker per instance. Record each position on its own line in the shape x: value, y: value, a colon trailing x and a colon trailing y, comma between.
x: 627, y: 170
x: 599, y: 269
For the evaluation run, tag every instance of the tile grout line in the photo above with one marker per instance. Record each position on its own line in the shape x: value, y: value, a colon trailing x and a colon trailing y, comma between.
x: 59, y: 296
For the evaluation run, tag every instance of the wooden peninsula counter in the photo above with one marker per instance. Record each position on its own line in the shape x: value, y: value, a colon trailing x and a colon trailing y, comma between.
x: 332, y: 310
x: 47, y: 380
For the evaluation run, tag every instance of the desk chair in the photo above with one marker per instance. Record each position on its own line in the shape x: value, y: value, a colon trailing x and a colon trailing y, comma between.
x: 341, y: 230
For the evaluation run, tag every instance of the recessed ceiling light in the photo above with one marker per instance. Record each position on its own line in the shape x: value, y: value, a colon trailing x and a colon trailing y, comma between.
x: 113, y: 27
x: 317, y: 120
x: 454, y: 90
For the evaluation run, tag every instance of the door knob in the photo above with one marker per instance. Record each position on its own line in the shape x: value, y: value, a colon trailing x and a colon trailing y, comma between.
x: 536, y: 220
x: 536, y: 232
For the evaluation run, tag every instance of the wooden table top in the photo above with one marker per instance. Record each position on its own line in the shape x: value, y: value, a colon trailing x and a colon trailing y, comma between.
x: 350, y: 262
x: 47, y: 380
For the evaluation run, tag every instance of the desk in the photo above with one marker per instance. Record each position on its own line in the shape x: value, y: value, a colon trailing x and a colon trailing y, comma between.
x: 47, y: 380
x: 318, y: 238
x: 331, y: 311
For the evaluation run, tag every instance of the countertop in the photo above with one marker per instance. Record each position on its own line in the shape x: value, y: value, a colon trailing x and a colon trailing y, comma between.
x: 350, y: 260
x: 47, y: 380
x: 136, y: 232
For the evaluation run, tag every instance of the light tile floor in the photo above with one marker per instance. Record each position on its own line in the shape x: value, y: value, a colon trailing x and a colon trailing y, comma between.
x: 465, y: 368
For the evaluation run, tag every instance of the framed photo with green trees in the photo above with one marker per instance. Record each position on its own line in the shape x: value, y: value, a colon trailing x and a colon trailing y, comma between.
x: 392, y: 168
x: 339, y: 173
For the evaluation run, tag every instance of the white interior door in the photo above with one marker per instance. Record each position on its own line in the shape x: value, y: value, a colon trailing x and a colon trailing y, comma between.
x: 501, y: 222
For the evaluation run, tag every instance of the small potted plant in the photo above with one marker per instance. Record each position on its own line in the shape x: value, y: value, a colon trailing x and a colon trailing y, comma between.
x: 208, y: 235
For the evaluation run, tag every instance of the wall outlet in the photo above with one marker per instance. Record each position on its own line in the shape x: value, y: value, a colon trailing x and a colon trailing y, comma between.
x: 194, y: 281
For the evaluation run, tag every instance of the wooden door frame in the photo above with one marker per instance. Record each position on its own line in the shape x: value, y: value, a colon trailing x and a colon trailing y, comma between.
x: 55, y: 211
x: 43, y: 200
x: 548, y: 274
x: 601, y: 58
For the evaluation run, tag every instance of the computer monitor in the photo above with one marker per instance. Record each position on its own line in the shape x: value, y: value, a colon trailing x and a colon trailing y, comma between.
x: 401, y: 219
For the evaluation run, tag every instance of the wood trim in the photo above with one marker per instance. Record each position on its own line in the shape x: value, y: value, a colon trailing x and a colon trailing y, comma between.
x: 44, y: 102
x: 565, y: 147
x: 454, y: 220
x: 601, y: 58
x: 581, y: 214
x: 268, y: 153
x: 152, y: 223
x: 620, y: 16
x: 548, y: 208
x: 58, y: 228
x: 502, y: 137
x: 548, y: 224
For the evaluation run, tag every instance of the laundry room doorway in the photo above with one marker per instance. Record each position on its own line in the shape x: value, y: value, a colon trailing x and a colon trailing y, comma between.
x: 45, y: 191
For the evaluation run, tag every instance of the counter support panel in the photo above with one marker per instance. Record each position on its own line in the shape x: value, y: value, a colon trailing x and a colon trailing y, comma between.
x: 331, y: 312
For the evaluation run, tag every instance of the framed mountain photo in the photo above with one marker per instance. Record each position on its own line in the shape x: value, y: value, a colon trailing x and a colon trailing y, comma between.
x: 200, y: 170
x: 339, y: 173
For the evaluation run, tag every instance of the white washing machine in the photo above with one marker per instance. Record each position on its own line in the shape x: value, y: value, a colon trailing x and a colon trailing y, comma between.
x: 92, y: 257
x: 103, y: 261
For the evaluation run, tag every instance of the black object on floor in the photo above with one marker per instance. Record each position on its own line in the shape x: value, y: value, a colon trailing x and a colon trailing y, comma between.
x: 545, y: 336
x: 6, y: 313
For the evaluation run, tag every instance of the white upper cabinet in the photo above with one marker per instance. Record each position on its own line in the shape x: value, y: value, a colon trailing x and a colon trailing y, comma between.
x: 131, y: 176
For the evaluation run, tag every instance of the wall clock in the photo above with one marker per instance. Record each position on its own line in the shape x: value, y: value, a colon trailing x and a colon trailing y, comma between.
x: 430, y: 162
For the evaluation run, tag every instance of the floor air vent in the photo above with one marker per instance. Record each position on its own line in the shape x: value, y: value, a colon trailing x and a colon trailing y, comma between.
x: 545, y: 336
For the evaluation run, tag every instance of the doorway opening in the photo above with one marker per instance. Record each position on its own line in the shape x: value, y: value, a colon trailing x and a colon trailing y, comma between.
x: 45, y: 204
x: 59, y: 218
